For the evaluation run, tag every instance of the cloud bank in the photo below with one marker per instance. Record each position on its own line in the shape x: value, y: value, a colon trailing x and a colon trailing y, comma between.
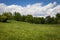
x: 36, y: 9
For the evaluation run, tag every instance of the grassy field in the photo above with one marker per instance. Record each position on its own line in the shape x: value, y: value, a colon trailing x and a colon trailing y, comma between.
x: 25, y: 31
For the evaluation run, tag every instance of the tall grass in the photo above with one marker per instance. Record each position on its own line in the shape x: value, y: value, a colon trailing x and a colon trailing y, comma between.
x: 26, y: 31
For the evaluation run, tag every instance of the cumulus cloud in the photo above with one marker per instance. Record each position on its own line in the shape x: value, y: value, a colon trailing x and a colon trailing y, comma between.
x: 35, y: 9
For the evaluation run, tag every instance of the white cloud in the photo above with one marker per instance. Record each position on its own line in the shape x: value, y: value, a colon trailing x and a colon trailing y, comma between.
x: 34, y: 9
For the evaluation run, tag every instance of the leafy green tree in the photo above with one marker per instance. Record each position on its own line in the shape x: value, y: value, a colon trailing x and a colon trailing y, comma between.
x: 29, y: 18
x: 35, y: 20
x: 42, y: 20
x: 53, y: 20
x: 3, y: 18
x: 8, y: 15
x: 58, y: 17
x: 17, y: 16
x: 48, y: 20
x: 23, y: 18
x: 38, y: 20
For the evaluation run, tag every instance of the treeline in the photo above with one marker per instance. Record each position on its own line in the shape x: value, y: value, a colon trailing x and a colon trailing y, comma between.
x: 29, y: 18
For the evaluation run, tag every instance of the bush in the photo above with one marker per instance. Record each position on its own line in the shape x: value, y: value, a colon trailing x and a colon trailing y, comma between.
x: 3, y: 18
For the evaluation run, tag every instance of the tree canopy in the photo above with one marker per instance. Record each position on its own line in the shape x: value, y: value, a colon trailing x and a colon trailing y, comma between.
x: 29, y: 18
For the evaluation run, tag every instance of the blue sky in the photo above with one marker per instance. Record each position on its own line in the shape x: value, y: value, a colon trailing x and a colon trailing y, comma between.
x: 26, y: 2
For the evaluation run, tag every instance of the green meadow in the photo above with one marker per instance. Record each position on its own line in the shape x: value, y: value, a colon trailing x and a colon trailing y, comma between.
x: 14, y: 30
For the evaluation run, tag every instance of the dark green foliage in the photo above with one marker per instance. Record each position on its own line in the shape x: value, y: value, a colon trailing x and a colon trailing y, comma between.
x: 5, y: 16
x: 58, y: 17
x: 23, y: 18
x: 29, y: 18
x: 17, y: 16
x: 38, y: 20
x: 50, y: 20
x: 53, y: 20
x: 35, y: 20
x: 8, y: 15
x: 42, y: 20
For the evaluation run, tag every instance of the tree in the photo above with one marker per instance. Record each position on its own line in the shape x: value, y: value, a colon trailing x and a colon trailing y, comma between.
x: 8, y: 15
x: 35, y: 20
x: 58, y: 17
x: 5, y: 16
x: 53, y: 20
x: 48, y: 20
x: 29, y: 18
x: 42, y: 20
x: 38, y: 20
x: 17, y: 16
x: 23, y: 18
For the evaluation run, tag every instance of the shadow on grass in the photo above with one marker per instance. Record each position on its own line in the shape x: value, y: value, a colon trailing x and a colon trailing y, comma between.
x: 6, y: 22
